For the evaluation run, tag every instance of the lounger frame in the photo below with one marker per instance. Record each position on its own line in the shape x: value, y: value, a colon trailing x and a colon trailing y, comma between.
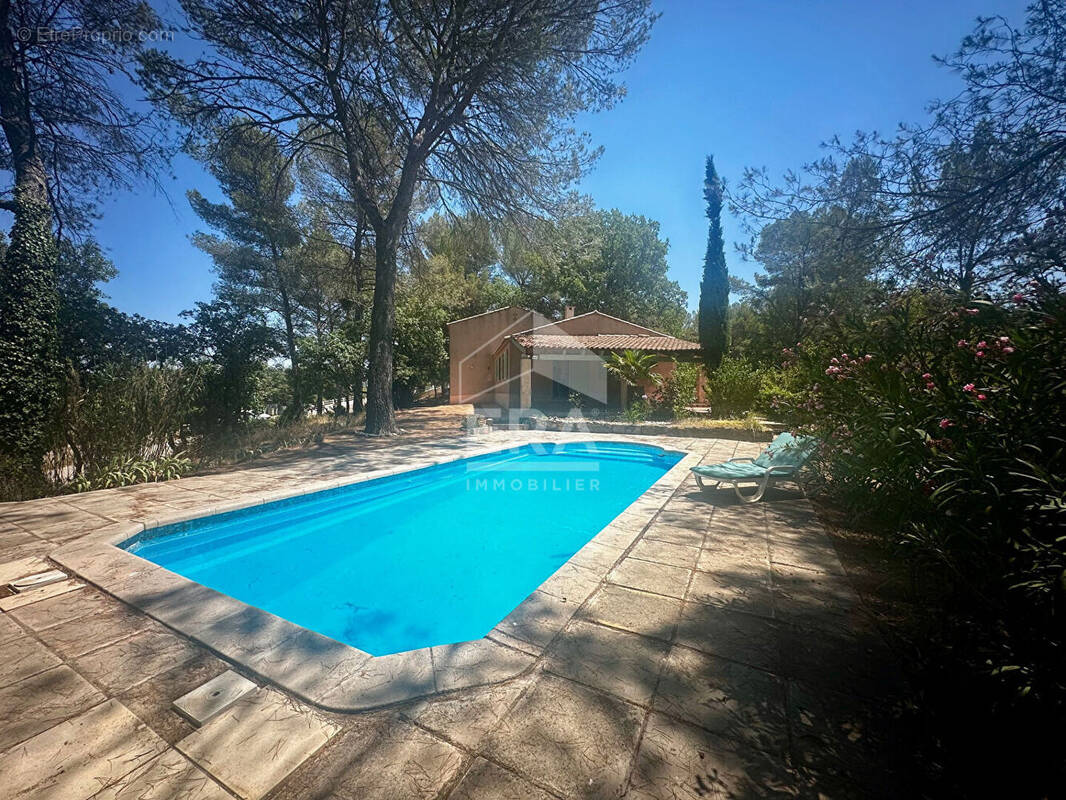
x: 762, y: 483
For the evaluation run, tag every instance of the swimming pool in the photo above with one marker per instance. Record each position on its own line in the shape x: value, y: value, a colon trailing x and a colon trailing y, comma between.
x: 422, y: 558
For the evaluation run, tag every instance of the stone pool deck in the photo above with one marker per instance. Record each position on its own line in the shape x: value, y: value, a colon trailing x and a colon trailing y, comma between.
x: 716, y: 650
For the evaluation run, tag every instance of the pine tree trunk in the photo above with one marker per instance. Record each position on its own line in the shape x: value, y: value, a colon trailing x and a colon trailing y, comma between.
x: 380, y: 414
x: 297, y: 409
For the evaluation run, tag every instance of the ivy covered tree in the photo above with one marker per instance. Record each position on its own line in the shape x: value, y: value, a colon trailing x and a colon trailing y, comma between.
x: 67, y: 136
x: 29, y: 353
x: 714, y: 287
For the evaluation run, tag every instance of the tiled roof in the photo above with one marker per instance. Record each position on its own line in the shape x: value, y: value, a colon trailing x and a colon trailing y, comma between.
x: 546, y: 342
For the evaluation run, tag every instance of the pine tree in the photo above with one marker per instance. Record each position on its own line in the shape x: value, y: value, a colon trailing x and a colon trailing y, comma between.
x: 714, y: 288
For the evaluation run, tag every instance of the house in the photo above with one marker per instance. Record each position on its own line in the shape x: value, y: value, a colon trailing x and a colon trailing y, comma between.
x: 518, y: 360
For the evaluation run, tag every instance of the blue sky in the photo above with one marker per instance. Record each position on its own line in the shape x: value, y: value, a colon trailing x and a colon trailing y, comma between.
x: 756, y: 83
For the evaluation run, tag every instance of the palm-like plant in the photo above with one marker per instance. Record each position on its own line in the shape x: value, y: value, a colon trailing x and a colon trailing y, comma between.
x: 633, y: 368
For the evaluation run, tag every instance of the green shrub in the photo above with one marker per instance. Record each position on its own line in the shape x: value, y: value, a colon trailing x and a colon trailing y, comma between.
x: 125, y: 472
x: 677, y: 392
x: 785, y: 386
x: 735, y: 388
x: 123, y: 413
x: 949, y: 425
x: 638, y: 411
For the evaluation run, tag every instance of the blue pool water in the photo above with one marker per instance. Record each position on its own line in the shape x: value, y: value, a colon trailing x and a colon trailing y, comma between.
x: 427, y: 557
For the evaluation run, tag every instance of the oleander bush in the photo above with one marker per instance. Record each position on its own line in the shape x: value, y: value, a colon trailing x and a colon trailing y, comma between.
x: 946, y: 424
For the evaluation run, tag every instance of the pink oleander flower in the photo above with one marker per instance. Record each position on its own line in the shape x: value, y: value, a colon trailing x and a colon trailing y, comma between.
x: 982, y: 397
x: 982, y: 345
x: 930, y: 385
x: 980, y: 354
x: 1004, y: 340
x: 926, y: 375
x: 1008, y: 350
x: 968, y: 387
x: 946, y: 423
x: 867, y: 357
x: 971, y: 311
x: 1018, y: 298
x: 962, y: 343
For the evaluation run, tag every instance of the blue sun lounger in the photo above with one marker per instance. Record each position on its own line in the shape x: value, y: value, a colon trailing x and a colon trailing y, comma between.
x: 782, y: 458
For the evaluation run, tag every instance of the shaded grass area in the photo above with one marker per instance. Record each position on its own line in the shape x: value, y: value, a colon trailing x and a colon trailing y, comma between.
x: 261, y: 438
x: 749, y: 422
x: 748, y: 428
x: 224, y: 450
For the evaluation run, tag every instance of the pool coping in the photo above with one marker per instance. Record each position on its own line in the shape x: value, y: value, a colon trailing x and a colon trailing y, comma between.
x: 335, y: 676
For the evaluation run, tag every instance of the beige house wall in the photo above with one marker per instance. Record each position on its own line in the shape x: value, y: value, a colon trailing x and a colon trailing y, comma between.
x: 472, y: 344
x: 503, y: 392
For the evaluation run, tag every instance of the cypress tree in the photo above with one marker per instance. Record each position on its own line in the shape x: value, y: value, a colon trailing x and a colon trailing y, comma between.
x: 714, y: 288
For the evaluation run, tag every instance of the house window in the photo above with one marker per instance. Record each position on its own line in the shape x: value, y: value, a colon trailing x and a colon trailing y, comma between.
x: 503, y: 366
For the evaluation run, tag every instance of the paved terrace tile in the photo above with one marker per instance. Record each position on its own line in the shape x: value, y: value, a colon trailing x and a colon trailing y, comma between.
x: 696, y: 648
x: 256, y: 743
x: 41, y: 701
x: 81, y: 756
x: 570, y: 739
x: 386, y: 758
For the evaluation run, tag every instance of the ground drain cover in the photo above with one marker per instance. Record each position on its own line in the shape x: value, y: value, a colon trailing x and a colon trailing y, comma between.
x: 40, y: 579
x: 214, y: 697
